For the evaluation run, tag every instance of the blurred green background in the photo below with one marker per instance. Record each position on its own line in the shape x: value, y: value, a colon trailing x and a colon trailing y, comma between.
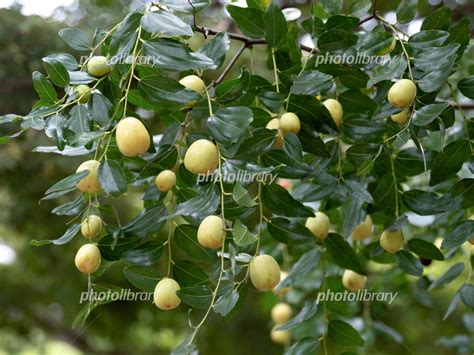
x: 40, y: 292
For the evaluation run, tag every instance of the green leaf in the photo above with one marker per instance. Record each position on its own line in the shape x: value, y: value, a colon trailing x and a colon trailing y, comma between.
x: 289, y: 232
x: 112, y: 178
x: 406, y: 10
x: 175, y: 56
x: 428, y: 113
x: 341, y: 333
x: 309, y: 310
x: 113, y: 246
x: 44, y: 88
x: 292, y: 147
x: 150, y: 220
x: 241, y: 196
x: 333, y: 40
x: 70, y: 208
x: 186, y: 6
x: 276, y: 28
x: 198, y: 297
x: 146, y: 254
x: 311, y: 82
x: 165, y: 24
x: 65, y: 238
x: 216, y: 48
x: 280, y: 202
x: 460, y: 233
x: 437, y: 20
x: 427, y: 203
x: 304, y: 346
x: 409, y: 263
x: 453, y: 272
x: 448, y: 163
x: 260, y: 142
x: 230, y: 124
x: 226, y: 302
x: 203, y: 204
x: 354, y: 101
x: 142, y: 277
x: 76, y: 39
x: 332, y: 7
x: 65, y: 59
x: 67, y: 183
x: 305, y: 264
x: 249, y: 21
x: 337, y: 246
x: 364, y: 130
x: 241, y: 234
x: 185, y: 238
x: 57, y: 73
x: 394, y: 69
x: 467, y: 295
x: 189, y: 274
x: 425, y: 249
x: 466, y: 86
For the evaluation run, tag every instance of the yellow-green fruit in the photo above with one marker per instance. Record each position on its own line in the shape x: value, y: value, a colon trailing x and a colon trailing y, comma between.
x: 195, y: 83
x: 281, y: 313
x: 274, y: 124
x: 264, y: 273
x: 201, y: 157
x: 471, y: 240
x: 391, y: 241
x: 90, y: 183
x: 353, y: 281
x: 281, y: 337
x: 401, y: 117
x: 165, y: 180
x: 88, y: 258
x: 363, y: 230
x: 83, y: 93
x: 318, y: 225
x: 91, y: 226
x: 165, y: 296
x: 97, y: 66
x: 211, y: 232
x: 402, y: 93
x: 335, y: 109
x: 289, y: 123
x: 132, y: 137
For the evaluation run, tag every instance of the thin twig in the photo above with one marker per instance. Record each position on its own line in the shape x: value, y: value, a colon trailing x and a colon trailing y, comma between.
x: 230, y: 65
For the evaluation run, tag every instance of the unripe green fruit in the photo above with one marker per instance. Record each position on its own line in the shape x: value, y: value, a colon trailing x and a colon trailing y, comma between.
x: 281, y: 337
x: 132, y: 137
x: 289, y: 123
x: 201, y: 157
x: 91, y: 226
x: 165, y: 180
x: 363, y: 230
x: 97, y: 66
x: 165, y: 296
x: 83, y: 93
x: 353, y: 281
x: 211, y: 232
x: 90, y: 183
x: 195, y: 83
x: 402, y: 93
x: 335, y: 109
x: 281, y: 313
x: 88, y: 258
x: 389, y: 49
x: 391, y: 241
x: 401, y: 117
x: 264, y: 272
x: 318, y: 225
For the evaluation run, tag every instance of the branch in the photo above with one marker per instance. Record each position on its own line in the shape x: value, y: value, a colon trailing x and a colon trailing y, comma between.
x: 230, y: 65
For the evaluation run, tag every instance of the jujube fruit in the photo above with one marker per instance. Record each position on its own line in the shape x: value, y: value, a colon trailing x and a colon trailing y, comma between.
x: 90, y: 183
x: 318, y: 225
x: 353, y: 281
x: 401, y: 117
x: 83, y: 93
x: 88, y: 258
x: 195, y: 83
x: 98, y: 66
x: 402, y: 93
x: 363, y: 230
x: 91, y: 226
x: 281, y: 313
x: 211, y: 232
x: 164, y: 296
x: 264, y: 272
x: 289, y: 123
x: 281, y: 337
x: 165, y: 180
x: 132, y: 137
x: 391, y: 241
x: 335, y: 109
x: 201, y: 157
